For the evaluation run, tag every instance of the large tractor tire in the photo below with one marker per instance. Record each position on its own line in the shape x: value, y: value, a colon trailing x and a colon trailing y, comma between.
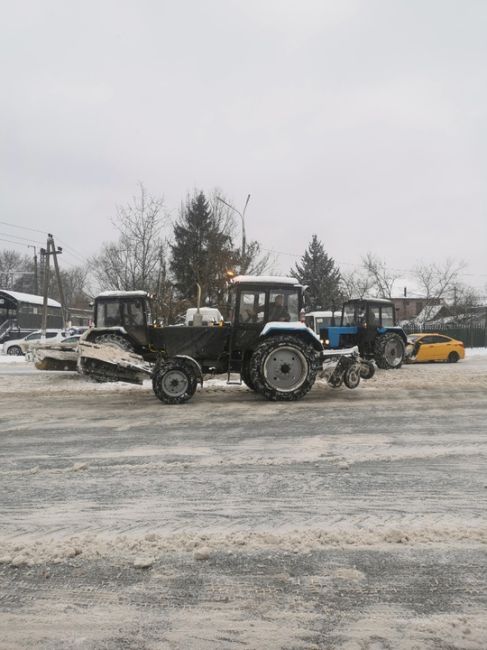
x: 174, y: 381
x: 283, y: 368
x: 389, y: 351
x: 245, y: 375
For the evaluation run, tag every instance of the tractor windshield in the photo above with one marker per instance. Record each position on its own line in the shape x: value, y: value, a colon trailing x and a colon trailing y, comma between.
x: 108, y: 314
x: 388, y: 316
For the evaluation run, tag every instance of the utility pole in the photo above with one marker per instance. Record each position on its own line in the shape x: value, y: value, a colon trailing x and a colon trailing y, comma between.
x: 55, y: 252
x: 46, y: 253
x: 36, y: 276
x: 45, y: 288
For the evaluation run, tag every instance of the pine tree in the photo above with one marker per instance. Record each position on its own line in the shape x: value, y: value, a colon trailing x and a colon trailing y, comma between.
x: 202, y: 251
x: 319, y: 272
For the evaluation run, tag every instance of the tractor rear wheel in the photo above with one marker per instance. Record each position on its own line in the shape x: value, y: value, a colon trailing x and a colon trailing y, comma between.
x: 389, y: 351
x: 245, y: 375
x: 283, y: 368
x: 174, y: 381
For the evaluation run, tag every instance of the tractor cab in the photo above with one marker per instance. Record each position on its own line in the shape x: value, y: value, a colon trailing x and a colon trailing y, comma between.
x: 257, y: 300
x: 371, y: 313
x: 130, y: 310
x: 369, y: 324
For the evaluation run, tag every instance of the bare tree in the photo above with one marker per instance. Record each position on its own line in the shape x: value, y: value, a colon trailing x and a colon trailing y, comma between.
x: 252, y: 260
x: 436, y: 281
x: 134, y: 261
x: 13, y: 267
x: 381, y: 278
x: 356, y: 285
x: 75, y: 287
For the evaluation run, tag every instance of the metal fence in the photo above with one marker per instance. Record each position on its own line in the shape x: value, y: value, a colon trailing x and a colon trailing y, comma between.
x: 472, y: 336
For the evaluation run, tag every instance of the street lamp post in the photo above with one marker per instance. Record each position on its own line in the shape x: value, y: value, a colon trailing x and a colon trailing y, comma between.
x: 242, y: 217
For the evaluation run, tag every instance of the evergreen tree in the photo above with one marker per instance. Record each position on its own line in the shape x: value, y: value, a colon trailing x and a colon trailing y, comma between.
x: 319, y: 272
x: 202, y: 251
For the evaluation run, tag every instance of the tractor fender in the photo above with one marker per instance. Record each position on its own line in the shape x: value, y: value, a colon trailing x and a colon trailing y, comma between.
x: 393, y: 330
x: 193, y: 363
x: 292, y: 329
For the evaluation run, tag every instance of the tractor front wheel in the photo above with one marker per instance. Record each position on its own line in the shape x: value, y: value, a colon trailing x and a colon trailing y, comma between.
x: 389, y: 351
x: 174, y: 381
x: 283, y: 368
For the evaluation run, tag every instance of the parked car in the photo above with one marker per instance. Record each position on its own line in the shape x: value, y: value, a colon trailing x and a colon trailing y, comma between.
x: 433, y: 347
x: 18, y: 347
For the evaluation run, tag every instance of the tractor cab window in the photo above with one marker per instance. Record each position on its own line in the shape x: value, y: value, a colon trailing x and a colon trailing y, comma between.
x: 108, y: 314
x: 231, y: 302
x: 133, y: 313
x: 309, y: 321
x: 374, y: 316
x: 388, y: 316
x: 283, y: 305
x: 348, y: 317
x: 252, y: 307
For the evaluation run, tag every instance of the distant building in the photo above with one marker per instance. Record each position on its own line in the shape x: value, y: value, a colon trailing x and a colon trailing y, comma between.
x: 410, y: 308
x: 22, y: 312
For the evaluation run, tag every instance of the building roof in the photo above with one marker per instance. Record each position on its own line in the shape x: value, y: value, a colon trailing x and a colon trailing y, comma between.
x: 30, y: 298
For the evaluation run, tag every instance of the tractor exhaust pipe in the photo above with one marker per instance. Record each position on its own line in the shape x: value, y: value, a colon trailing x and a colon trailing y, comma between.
x: 198, y: 317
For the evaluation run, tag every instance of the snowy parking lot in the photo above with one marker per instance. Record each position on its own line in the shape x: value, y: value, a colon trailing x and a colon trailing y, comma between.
x: 353, y: 520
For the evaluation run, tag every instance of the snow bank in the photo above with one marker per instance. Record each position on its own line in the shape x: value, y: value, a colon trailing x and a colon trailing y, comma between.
x: 8, y: 358
x: 475, y: 352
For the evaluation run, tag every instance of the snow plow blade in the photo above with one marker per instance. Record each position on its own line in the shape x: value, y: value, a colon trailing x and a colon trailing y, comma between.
x: 53, y: 357
x: 110, y: 363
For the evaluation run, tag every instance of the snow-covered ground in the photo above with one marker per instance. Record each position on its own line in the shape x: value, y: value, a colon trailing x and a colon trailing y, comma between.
x: 353, y: 520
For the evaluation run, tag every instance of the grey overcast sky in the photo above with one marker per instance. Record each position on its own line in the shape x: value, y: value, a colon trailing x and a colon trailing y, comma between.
x: 361, y: 121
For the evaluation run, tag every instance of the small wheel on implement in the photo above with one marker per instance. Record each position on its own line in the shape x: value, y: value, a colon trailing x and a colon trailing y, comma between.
x: 367, y: 369
x: 352, y: 376
x: 336, y: 380
x: 174, y: 381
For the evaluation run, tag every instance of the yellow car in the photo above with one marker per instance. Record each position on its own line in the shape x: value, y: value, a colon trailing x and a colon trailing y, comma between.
x: 433, y: 347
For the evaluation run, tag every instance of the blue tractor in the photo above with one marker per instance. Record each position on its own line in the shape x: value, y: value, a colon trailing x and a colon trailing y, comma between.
x: 369, y: 324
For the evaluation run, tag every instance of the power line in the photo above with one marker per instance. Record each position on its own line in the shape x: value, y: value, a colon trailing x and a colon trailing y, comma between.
x: 13, y: 225
x: 18, y: 243
x: 7, y: 234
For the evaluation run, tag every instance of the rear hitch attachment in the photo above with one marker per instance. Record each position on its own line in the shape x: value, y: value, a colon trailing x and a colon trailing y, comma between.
x: 345, y: 367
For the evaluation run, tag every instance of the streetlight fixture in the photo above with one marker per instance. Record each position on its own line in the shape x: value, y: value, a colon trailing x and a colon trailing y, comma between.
x: 242, y: 217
